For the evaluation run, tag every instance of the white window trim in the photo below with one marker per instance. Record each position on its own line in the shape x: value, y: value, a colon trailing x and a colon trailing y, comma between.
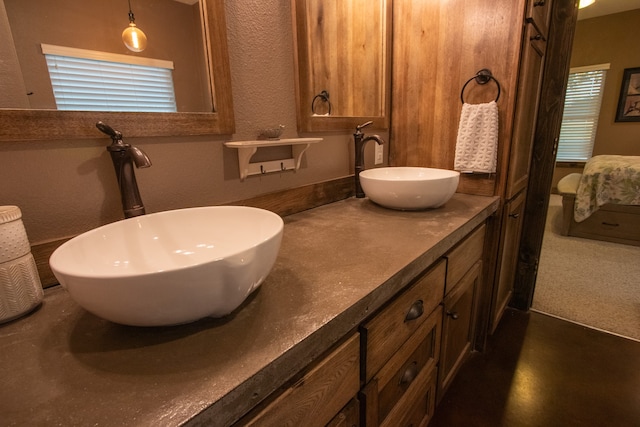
x: 588, y: 144
x: 49, y: 49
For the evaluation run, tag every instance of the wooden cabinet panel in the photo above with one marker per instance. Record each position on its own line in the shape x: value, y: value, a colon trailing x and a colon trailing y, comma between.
x: 391, y: 386
x: 458, y: 326
x: 538, y: 13
x: 419, y: 404
x: 463, y: 256
x: 528, y: 97
x: 388, y: 330
x: 348, y: 417
x: 507, y: 257
x: 437, y: 47
x: 319, y: 395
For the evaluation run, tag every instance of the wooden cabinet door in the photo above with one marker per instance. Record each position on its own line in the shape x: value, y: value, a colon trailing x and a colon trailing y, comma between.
x: 318, y: 396
x: 458, y: 326
x: 403, y: 392
x: 507, y: 257
x: 383, y: 335
x: 348, y: 417
x: 529, y: 84
x: 538, y: 13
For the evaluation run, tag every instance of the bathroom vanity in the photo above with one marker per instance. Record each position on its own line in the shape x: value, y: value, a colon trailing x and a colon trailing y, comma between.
x: 367, y: 312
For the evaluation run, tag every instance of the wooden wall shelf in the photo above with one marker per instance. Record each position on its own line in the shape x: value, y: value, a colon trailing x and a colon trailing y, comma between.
x: 246, y: 150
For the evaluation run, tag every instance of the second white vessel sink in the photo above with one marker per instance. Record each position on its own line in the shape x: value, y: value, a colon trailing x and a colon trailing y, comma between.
x: 409, y: 188
x: 170, y: 267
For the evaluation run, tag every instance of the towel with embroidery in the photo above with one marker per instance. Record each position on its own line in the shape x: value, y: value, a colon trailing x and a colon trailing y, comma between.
x: 477, y: 142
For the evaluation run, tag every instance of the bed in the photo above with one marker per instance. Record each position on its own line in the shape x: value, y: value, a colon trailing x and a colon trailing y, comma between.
x: 603, y: 202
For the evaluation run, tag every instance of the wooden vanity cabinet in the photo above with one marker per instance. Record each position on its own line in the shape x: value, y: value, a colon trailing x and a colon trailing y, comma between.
x: 458, y: 326
x: 385, y: 333
x: 464, y: 278
x: 349, y: 416
x: 400, y: 353
x: 529, y: 86
x: 403, y: 392
x: 539, y: 13
x: 507, y: 257
x: 526, y: 108
x: 321, y: 397
x: 402, y: 359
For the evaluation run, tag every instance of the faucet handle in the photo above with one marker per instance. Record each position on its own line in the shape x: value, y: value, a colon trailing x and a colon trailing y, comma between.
x: 359, y: 127
x: 115, y: 135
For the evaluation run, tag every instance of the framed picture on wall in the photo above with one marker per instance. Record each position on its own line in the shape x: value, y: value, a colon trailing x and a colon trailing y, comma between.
x: 629, y: 102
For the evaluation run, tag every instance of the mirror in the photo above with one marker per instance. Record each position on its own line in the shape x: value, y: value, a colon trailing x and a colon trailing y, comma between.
x: 204, y: 109
x: 342, y: 63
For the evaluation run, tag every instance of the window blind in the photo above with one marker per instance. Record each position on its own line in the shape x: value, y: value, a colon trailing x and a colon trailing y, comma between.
x: 83, y: 83
x: 581, y: 111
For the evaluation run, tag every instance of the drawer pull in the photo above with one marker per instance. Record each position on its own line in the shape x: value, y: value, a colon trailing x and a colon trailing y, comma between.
x: 539, y: 3
x: 453, y: 315
x: 409, y: 375
x: 514, y: 215
x: 611, y: 224
x: 536, y: 37
x: 416, y: 310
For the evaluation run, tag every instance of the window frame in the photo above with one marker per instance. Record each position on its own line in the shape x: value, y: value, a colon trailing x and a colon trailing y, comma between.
x: 579, y: 142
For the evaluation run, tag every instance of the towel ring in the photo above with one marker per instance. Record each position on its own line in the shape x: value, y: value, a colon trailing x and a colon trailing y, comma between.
x: 324, y: 96
x: 482, y: 77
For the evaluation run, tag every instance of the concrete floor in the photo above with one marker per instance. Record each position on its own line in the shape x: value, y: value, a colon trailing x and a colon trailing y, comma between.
x: 541, y: 371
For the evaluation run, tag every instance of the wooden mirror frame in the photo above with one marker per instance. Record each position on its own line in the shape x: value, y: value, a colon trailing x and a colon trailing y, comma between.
x: 25, y: 124
x: 304, y: 93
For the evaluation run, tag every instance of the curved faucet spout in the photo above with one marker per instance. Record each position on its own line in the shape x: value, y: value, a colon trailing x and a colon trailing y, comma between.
x: 360, y: 141
x: 140, y: 158
x: 124, y: 157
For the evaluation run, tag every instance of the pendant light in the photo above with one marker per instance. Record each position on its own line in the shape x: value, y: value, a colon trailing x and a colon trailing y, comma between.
x: 585, y: 3
x: 132, y: 36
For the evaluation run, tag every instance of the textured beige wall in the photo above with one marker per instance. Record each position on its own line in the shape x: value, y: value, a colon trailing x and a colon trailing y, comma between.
x: 12, y: 88
x: 67, y: 187
x: 611, y: 39
x: 608, y: 39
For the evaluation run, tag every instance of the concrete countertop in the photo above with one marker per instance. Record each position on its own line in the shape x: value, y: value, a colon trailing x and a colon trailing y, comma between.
x: 338, y: 264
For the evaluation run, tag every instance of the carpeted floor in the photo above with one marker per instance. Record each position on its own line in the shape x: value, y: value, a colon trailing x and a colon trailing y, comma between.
x: 588, y: 281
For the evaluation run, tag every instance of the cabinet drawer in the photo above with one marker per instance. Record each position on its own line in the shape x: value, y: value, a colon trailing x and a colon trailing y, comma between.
x: 394, y: 391
x: 348, y: 417
x: 461, y: 258
x: 388, y: 330
x: 609, y: 223
x: 319, y: 395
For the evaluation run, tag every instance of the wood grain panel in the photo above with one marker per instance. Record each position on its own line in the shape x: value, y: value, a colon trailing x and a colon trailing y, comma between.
x: 319, y: 395
x: 437, y: 47
x: 344, y: 48
x: 389, y: 329
x: 463, y: 256
x: 562, y: 29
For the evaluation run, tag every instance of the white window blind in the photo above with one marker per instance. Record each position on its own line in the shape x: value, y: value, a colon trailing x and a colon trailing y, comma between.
x: 85, y: 80
x: 581, y: 111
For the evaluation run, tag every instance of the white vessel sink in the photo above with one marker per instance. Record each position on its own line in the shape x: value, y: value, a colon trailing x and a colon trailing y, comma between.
x: 170, y: 267
x: 409, y: 188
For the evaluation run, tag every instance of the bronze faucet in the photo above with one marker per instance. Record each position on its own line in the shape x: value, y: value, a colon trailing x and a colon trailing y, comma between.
x: 360, y: 141
x: 124, y: 156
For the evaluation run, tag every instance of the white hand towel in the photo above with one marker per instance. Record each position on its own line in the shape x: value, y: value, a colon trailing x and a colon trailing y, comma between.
x: 477, y: 143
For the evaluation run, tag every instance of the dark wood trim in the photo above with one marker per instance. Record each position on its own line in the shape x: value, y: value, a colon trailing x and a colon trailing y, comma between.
x: 284, y: 202
x: 564, y: 16
x: 570, y: 164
